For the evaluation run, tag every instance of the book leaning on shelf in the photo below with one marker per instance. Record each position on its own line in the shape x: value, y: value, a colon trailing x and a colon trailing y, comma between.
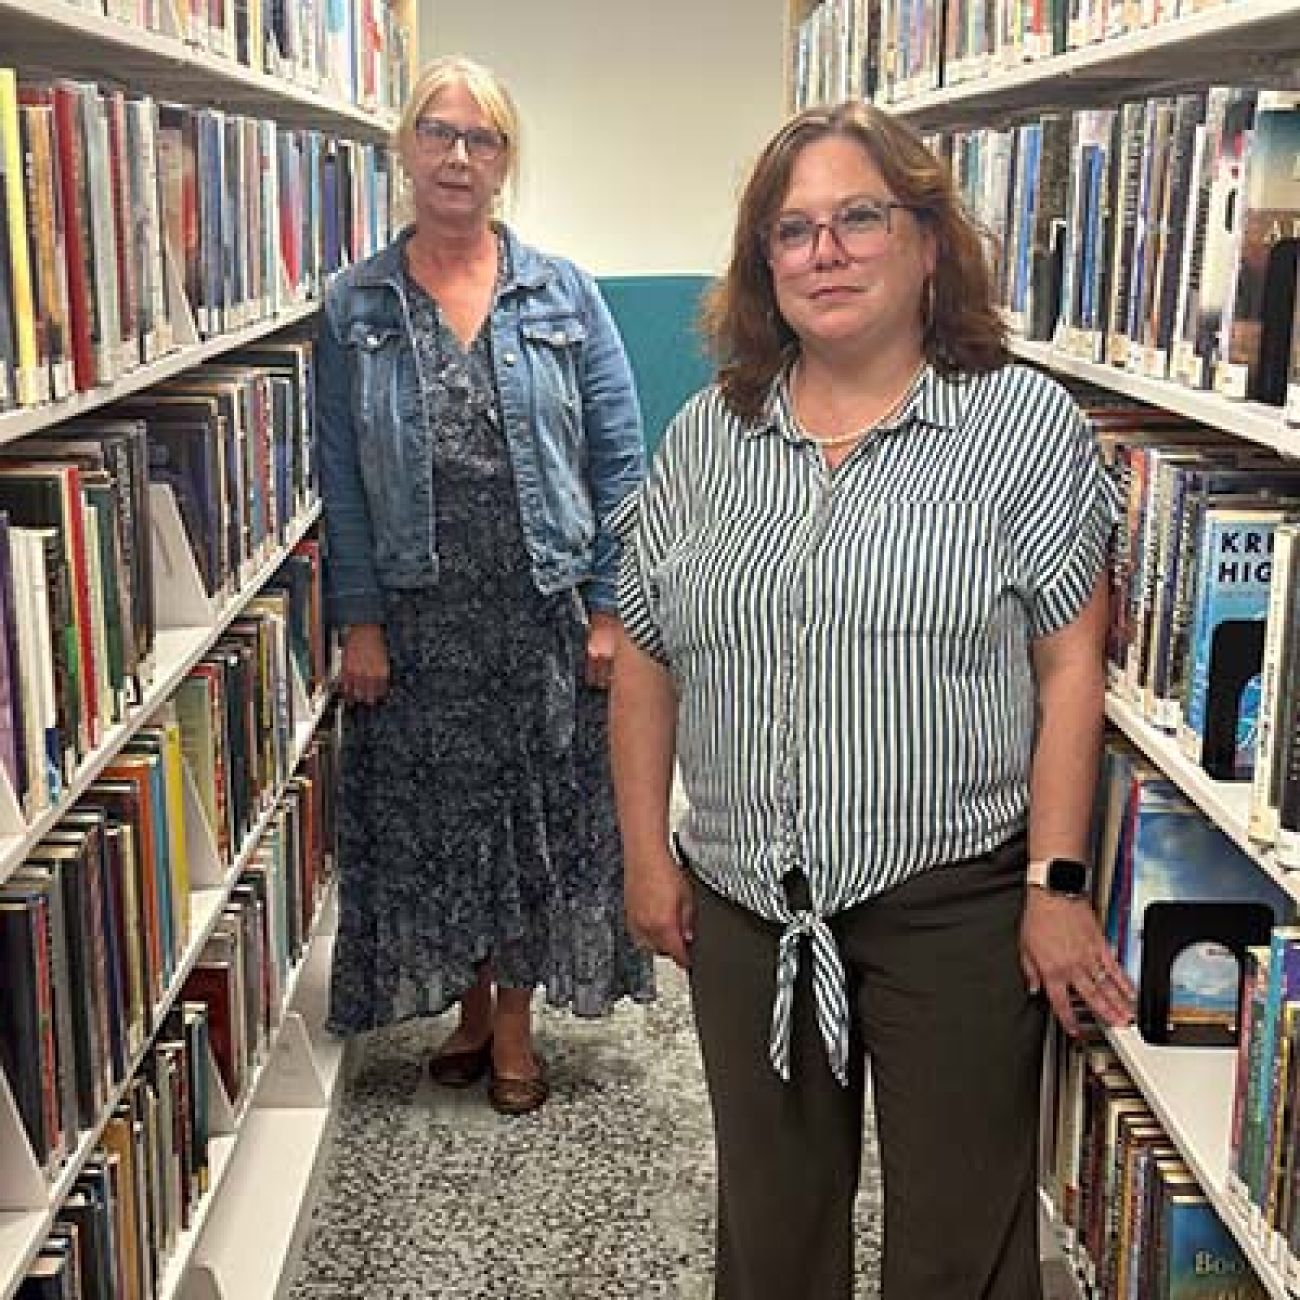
x: 1153, y: 844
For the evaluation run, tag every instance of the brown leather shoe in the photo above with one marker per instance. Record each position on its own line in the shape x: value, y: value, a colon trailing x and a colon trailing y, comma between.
x: 463, y: 1068
x: 518, y: 1096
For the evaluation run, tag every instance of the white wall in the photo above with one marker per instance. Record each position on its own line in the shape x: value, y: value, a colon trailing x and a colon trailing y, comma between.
x: 640, y: 117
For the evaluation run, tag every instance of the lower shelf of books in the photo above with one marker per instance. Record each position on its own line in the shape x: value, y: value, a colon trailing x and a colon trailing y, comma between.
x: 248, y: 1227
x: 1190, y: 1090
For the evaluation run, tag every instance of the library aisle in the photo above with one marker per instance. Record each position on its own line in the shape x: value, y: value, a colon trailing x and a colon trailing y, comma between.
x: 605, y: 1194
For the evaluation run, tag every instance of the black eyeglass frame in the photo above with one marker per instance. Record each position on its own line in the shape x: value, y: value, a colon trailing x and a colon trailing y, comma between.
x: 483, y: 144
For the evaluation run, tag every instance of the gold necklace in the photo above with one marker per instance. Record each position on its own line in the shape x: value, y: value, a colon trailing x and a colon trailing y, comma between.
x: 844, y: 439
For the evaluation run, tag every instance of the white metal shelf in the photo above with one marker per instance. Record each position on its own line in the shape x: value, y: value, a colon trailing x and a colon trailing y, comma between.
x: 1253, y: 421
x: 32, y: 419
x: 177, y: 650
x: 1190, y: 1090
x: 54, y: 35
x: 1247, y: 40
x: 1225, y: 803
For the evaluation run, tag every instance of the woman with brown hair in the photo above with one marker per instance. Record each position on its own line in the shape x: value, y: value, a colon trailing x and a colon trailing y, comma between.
x: 863, y: 606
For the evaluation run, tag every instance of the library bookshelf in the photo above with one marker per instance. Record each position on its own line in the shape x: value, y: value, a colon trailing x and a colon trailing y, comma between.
x: 1103, y: 52
x: 265, y: 1151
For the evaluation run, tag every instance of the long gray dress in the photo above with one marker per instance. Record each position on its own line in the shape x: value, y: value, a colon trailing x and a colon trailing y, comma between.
x: 475, y: 811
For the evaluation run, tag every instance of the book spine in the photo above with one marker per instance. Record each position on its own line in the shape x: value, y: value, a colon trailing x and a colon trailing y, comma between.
x: 27, y: 377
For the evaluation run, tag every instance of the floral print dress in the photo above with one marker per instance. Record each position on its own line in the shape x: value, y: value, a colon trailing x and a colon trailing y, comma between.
x: 476, y: 818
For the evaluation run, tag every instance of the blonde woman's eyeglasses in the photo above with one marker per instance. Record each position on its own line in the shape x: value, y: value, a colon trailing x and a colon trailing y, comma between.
x: 435, y: 136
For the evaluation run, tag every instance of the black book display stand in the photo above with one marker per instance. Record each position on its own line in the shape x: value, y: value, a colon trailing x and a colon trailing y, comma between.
x: 1170, y: 927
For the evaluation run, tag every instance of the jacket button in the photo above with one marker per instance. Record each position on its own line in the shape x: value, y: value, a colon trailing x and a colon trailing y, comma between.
x: 372, y: 340
x: 509, y: 358
x: 558, y: 338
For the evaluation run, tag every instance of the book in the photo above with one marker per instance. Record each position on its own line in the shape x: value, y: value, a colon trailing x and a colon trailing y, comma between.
x: 28, y: 369
x: 1202, y: 1260
x: 1257, y: 347
x: 1227, y: 638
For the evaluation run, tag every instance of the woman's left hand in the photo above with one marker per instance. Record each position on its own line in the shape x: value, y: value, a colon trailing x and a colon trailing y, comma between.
x: 1062, y: 948
x: 601, y: 636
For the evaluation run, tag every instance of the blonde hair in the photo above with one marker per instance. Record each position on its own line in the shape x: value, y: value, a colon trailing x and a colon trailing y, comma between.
x: 485, y: 88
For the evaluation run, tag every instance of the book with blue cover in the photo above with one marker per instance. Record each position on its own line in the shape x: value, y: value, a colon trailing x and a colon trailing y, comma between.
x: 1226, y: 646
x: 1202, y: 1261
x: 1171, y: 851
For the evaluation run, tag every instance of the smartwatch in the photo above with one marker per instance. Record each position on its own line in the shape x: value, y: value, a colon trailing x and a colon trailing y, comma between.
x: 1065, y: 877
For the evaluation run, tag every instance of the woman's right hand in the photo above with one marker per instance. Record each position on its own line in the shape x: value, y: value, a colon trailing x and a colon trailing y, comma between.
x: 364, y: 678
x: 660, y: 906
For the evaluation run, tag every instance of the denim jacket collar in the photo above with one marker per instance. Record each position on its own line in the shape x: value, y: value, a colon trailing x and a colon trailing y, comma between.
x: 528, y: 269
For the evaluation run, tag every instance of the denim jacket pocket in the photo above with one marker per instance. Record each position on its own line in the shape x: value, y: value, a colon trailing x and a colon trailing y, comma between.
x: 372, y: 354
x: 554, y: 345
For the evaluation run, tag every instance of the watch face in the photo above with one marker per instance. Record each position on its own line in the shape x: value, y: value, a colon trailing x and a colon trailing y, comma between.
x: 1065, y: 876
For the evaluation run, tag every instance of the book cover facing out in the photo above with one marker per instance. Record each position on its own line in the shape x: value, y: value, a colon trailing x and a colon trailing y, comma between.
x: 1235, y: 573
x: 1205, y: 1262
x: 1178, y: 853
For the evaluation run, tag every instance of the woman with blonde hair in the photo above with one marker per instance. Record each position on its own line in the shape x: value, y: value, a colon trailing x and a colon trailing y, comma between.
x: 863, y: 605
x: 477, y: 423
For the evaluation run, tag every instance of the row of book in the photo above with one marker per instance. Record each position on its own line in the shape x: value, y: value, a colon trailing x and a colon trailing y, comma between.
x: 87, y: 551
x: 832, y: 58
x: 132, y: 227
x: 1264, y: 1140
x: 1204, y: 634
x: 1158, y: 236
x: 891, y: 51
x: 358, y: 51
x: 133, y: 1196
x: 113, y: 1234
x: 1134, y: 1222
x: 1192, y: 576
x: 95, y: 923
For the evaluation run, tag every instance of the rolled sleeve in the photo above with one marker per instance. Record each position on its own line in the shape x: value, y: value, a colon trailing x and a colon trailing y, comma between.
x: 1068, y: 540
x: 634, y: 585
x: 649, y: 526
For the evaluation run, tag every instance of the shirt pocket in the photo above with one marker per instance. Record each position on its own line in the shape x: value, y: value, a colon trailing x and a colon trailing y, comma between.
x: 934, y: 569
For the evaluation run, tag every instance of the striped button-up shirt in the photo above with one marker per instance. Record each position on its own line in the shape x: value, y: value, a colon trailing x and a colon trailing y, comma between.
x: 851, y: 647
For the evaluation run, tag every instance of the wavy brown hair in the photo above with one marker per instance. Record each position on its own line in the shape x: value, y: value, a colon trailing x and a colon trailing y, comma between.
x: 749, y: 338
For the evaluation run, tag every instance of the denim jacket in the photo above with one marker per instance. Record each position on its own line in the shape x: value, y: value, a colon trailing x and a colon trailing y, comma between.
x: 572, y: 426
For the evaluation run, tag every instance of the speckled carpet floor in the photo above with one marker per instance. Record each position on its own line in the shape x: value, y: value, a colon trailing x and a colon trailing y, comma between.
x: 605, y: 1194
